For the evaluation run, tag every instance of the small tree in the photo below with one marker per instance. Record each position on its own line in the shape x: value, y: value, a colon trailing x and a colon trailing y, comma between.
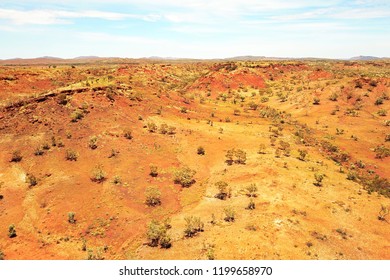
x: 153, y: 196
x: 184, y: 176
x: 11, y: 231
x: 71, y: 217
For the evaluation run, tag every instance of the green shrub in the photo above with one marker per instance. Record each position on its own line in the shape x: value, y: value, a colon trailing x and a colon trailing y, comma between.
x: 153, y: 196
x: 31, y: 180
x: 184, y: 176
x: 200, y: 150
x: 16, y: 156
x: 193, y: 226
x: 71, y: 155
x: 11, y: 231
x: 222, y: 190
x: 76, y: 115
x: 71, y: 217
x: 98, y: 175
x: 128, y: 134
x: 318, y: 177
x: 92, y: 143
x: 230, y: 214
x: 251, y: 190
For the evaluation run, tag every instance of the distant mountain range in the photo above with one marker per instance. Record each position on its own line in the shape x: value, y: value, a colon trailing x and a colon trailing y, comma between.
x: 97, y: 59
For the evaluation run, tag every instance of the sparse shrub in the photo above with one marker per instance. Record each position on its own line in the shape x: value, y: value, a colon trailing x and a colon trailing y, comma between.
x: 164, y: 128
x: 165, y: 241
x: 237, y: 112
x: 387, y: 138
x: 38, y: 151
x: 261, y: 149
x: 157, y: 234
x: 351, y: 175
x: 153, y: 170
x: 31, y: 180
x: 11, y: 231
x: 152, y: 127
x: 1, y: 255
x: 230, y: 214
x: 264, y: 99
x: 113, y: 153
x: 200, y: 150
x: 117, y: 180
x: 16, y: 156
x: 382, y: 112
x: 62, y: 99
x: 153, y: 196
x: 76, y: 115
x: 92, y: 143
x: 251, y: 190
x: 379, y: 101
x: 71, y: 155
x: 240, y: 156
x: 316, y: 101
x: 318, y: 179
x: 171, y: 130
x: 184, y: 176
x: 71, y: 217
x: 251, y: 205
x: 302, y: 154
x: 183, y: 110
x: 193, y: 226
x: 381, y: 152
x: 333, y: 97
x: 127, y: 133
x: 98, y: 175
x: 253, y: 105
x: 222, y: 190
x: 383, y: 213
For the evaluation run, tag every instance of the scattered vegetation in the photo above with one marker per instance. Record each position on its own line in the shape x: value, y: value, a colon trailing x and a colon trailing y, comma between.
x: 31, y: 180
x: 235, y: 156
x: 200, y: 150
x: 157, y: 235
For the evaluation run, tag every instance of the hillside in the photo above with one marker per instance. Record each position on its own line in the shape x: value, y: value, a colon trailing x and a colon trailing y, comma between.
x: 231, y: 160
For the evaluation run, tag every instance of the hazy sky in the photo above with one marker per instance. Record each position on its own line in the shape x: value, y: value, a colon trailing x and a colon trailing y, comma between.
x: 194, y: 29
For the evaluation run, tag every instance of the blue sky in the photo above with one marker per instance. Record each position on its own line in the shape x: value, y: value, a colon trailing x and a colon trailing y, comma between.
x: 194, y: 29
